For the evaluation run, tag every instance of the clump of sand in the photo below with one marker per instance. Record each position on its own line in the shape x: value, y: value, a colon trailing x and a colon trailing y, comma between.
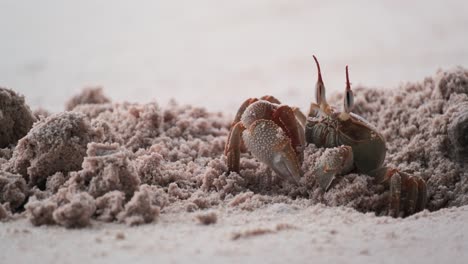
x: 209, y: 218
x: 89, y: 95
x: 54, y: 144
x: 130, y: 163
x: 13, y: 190
x: 16, y: 118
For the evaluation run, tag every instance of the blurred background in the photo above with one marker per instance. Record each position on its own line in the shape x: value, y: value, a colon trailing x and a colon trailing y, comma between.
x: 217, y: 53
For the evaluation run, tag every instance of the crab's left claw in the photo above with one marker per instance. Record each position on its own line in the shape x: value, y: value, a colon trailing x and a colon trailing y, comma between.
x: 271, y: 145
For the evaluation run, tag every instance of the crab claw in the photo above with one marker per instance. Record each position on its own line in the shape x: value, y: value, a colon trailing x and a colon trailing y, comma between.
x: 270, y: 144
x: 334, y: 161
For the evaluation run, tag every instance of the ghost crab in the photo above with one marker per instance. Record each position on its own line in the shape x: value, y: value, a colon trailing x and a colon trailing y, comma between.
x: 365, y: 153
x: 272, y: 132
x: 276, y: 135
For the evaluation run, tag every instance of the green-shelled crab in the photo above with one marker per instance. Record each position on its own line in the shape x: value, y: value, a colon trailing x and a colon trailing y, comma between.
x: 276, y: 135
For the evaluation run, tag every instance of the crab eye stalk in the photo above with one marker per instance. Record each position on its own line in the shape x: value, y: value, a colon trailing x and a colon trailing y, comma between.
x: 349, y: 97
x: 319, y: 86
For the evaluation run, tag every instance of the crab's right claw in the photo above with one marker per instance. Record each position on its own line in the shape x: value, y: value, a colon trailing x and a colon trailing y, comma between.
x: 334, y: 161
x: 271, y: 145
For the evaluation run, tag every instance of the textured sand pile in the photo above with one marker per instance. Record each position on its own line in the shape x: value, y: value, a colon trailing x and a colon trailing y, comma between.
x: 131, y: 162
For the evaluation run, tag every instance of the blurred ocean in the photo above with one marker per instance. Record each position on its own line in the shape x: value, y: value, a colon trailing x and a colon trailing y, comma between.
x: 217, y: 53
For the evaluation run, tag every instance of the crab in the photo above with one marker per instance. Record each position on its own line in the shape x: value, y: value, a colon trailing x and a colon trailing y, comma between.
x: 328, y: 127
x: 272, y: 132
x: 276, y: 134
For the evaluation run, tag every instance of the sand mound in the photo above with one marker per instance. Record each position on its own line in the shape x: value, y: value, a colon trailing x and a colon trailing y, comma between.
x: 55, y: 144
x: 130, y: 162
x: 89, y: 95
x: 15, y: 116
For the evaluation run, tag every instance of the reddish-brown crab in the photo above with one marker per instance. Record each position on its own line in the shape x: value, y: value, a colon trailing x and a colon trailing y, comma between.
x: 276, y: 134
x: 272, y: 132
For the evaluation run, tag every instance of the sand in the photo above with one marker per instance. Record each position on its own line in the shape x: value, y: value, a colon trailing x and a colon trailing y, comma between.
x: 15, y: 116
x: 314, y: 233
x: 135, y: 164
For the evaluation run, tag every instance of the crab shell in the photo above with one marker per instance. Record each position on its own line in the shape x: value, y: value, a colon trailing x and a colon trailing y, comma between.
x: 341, y: 128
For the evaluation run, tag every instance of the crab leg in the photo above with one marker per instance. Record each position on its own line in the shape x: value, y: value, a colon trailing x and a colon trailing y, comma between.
x: 416, y: 193
x: 422, y: 194
x: 242, y: 108
x: 271, y: 99
x: 301, y: 120
x: 300, y: 117
x: 395, y: 194
x: 285, y: 118
x: 413, y: 189
x: 233, y: 147
x: 411, y: 185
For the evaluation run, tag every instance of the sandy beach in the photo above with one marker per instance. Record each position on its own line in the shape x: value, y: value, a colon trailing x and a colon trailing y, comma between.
x: 318, y: 234
x: 137, y: 178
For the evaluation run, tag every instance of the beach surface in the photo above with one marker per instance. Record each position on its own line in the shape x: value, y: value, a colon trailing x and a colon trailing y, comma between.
x: 161, y: 192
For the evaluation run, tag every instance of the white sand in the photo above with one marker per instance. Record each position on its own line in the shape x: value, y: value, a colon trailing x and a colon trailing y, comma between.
x: 319, y: 235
